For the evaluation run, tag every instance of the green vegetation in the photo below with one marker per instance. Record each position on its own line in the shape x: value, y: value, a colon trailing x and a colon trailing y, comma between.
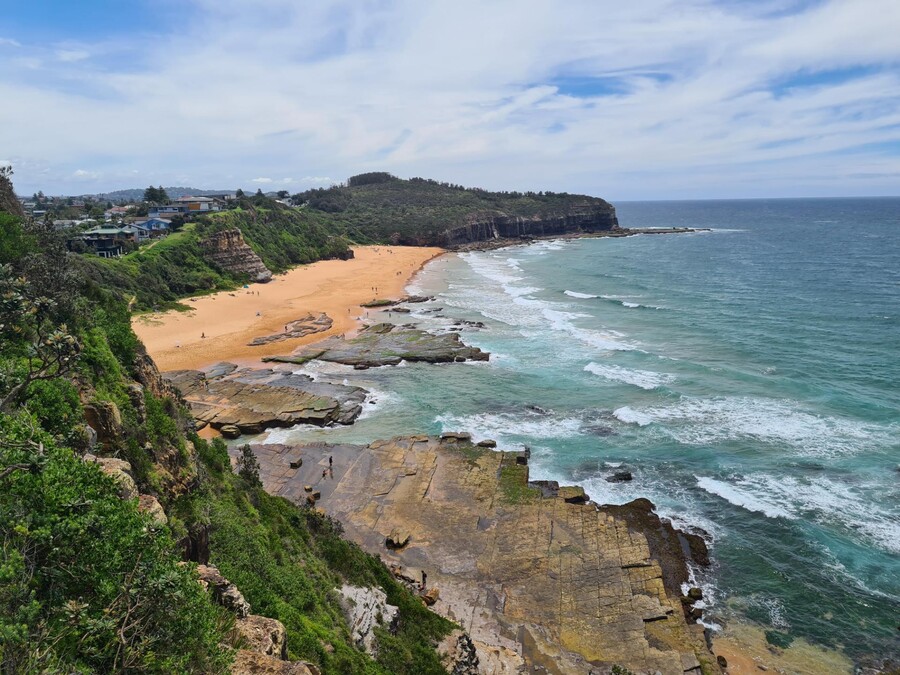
x: 157, y: 276
x: 380, y: 208
x: 89, y: 583
x: 287, y: 561
x: 514, y: 487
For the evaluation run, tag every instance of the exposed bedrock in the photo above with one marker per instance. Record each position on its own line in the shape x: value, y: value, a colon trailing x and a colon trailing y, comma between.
x: 248, y: 401
x: 228, y: 251
x: 487, y: 226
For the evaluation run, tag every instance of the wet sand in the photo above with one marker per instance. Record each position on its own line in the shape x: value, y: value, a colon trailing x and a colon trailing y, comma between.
x: 231, y: 319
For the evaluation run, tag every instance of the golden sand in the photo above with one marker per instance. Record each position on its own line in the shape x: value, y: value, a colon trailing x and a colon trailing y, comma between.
x: 231, y: 319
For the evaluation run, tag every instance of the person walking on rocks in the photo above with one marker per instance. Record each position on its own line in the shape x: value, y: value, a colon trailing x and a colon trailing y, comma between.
x: 324, y: 473
x: 424, y: 577
x: 330, y: 461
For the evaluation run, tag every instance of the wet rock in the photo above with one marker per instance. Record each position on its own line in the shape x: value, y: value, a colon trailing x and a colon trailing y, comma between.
x: 695, y: 593
x: 619, y: 477
x: 456, y: 436
x: 253, y: 400
x: 487, y: 443
x: 601, y: 431
x: 308, y: 325
x: 573, y: 495
x: 385, y: 344
x: 722, y: 661
x: 365, y: 609
x: 262, y: 635
x: 224, y: 592
x: 230, y: 431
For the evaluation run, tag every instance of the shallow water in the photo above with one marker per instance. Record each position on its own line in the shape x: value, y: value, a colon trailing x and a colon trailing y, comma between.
x: 746, y: 376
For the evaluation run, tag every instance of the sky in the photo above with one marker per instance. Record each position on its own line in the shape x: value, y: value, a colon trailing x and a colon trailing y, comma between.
x: 643, y: 99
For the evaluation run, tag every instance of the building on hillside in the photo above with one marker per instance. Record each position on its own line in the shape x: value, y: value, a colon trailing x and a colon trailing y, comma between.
x: 198, y: 204
x: 167, y: 211
x: 157, y: 227
x: 108, y: 242
x: 65, y: 224
x: 115, y: 213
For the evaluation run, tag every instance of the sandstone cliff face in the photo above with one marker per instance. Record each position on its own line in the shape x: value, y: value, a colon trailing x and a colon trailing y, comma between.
x: 488, y: 226
x: 229, y: 251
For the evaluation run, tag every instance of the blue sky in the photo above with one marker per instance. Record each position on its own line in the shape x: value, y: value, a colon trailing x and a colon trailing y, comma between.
x: 652, y: 99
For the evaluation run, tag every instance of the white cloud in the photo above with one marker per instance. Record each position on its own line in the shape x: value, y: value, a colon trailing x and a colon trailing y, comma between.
x: 83, y: 174
x: 340, y: 87
x: 72, y: 55
x: 8, y: 42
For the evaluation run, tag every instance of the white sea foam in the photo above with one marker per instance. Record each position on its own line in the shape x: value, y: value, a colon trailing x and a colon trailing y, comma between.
x: 505, y: 426
x: 582, y: 296
x: 742, y: 497
x: 628, y: 302
x: 817, y: 499
x: 629, y: 415
x: 631, y: 305
x: 645, y: 379
x: 562, y: 321
x: 705, y: 421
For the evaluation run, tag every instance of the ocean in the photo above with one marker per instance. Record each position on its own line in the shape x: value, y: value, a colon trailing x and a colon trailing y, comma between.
x: 748, y: 377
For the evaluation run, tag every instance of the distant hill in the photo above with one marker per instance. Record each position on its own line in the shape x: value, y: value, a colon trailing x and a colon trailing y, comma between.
x: 379, y: 207
x: 136, y: 194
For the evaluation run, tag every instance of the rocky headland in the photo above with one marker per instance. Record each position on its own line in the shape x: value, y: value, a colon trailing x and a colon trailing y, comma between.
x: 539, y: 578
x: 228, y: 251
x: 498, y: 226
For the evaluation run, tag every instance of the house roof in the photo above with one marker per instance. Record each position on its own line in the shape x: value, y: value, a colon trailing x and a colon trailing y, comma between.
x: 194, y: 199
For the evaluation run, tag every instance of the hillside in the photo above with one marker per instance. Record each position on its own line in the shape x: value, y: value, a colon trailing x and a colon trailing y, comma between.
x: 137, y: 194
x: 180, y: 265
x: 379, y: 207
x: 110, y: 506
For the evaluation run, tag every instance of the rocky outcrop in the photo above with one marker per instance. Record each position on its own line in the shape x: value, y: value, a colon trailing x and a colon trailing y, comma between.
x: 120, y: 471
x: 228, y: 251
x: 541, y: 579
x: 150, y: 505
x: 366, y: 609
x: 308, y: 325
x: 595, y: 217
x: 248, y: 662
x: 224, y: 592
x: 106, y: 420
x: 248, y: 401
x: 458, y: 654
x: 262, y: 635
x: 385, y: 344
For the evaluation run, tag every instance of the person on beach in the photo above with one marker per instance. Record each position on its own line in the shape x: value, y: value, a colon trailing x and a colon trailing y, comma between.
x: 202, y: 335
x: 330, y: 461
x: 424, y: 576
x: 324, y: 473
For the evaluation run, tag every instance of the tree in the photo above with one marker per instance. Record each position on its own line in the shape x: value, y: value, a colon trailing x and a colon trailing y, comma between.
x: 45, y: 351
x: 239, y: 194
x: 151, y: 195
x: 161, y: 195
x: 259, y: 192
x: 282, y: 194
x: 248, y: 466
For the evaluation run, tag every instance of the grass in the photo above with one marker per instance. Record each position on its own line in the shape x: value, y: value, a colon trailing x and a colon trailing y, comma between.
x: 514, y: 487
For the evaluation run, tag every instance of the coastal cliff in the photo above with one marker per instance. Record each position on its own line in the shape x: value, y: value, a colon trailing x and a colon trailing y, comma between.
x: 487, y: 227
x: 228, y: 251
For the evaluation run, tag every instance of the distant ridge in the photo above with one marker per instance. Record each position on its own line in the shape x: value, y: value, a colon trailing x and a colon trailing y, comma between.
x: 135, y: 194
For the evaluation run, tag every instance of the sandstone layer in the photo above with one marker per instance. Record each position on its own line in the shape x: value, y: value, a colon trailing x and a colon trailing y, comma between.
x: 228, y: 251
x: 248, y: 401
x: 385, y: 344
x: 541, y: 579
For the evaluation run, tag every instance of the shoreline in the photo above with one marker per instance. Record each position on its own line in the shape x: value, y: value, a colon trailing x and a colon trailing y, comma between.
x: 219, y: 326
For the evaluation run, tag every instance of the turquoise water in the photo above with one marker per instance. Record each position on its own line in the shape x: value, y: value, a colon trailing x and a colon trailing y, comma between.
x: 748, y: 377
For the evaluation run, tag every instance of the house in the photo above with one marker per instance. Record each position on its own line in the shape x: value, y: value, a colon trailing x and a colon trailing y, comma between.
x: 155, y: 226
x: 107, y: 241
x: 197, y: 204
x: 167, y: 211
x: 115, y: 213
x: 66, y: 224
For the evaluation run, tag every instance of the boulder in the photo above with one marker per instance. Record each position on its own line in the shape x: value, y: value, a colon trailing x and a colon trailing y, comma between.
x: 262, y: 635
x: 487, y: 443
x: 120, y: 471
x: 619, y: 477
x: 398, y: 538
x: 430, y: 596
x: 364, y: 609
x: 248, y: 662
x: 574, y: 494
x: 456, y: 436
x: 150, y: 505
x: 229, y: 431
x: 695, y: 593
x: 224, y: 592
x: 106, y: 420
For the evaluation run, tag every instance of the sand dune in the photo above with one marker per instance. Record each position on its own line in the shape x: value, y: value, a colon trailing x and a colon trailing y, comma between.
x: 230, y: 320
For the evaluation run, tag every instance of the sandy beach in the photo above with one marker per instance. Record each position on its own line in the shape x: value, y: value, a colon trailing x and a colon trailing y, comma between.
x: 231, y: 319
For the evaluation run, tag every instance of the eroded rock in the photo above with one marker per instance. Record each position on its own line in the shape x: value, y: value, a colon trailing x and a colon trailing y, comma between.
x: 308, y: 325
x: 120, y: 471
x: 262, y: 635
x: 248, y: 662
x: 364, y: 609
x: 224, y: 592
x: 458, y: 654
x: 228, y: 251
x: 150, y: 505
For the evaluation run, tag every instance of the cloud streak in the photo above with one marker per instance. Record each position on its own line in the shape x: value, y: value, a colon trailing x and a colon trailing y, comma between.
x: 658, y: 99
